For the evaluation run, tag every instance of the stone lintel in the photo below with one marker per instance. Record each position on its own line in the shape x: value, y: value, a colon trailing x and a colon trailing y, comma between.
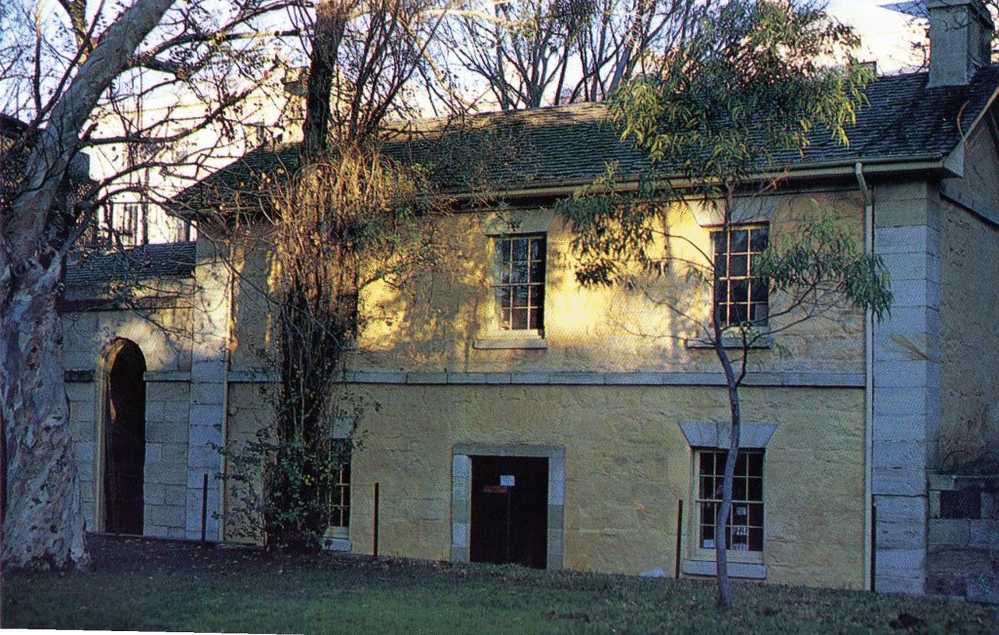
x: 715, y: 434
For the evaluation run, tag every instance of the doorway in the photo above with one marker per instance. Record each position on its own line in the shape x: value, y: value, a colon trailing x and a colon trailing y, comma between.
x: 124, y: 438
x: 509, y: 510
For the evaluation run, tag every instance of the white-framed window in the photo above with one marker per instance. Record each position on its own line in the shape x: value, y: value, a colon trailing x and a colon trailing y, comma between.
x: 337, y: 490
x: 519, y: 283
x: 746, y: 524
x: 739, y: 295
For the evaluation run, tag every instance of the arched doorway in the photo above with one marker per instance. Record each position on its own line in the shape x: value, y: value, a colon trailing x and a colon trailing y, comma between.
x: 124, y: 437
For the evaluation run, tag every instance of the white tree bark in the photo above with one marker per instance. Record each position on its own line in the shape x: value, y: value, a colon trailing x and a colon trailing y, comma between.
x: 42, y: 517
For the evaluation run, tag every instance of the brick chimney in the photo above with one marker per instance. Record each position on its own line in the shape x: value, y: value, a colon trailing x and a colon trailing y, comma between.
x: 960, y: 40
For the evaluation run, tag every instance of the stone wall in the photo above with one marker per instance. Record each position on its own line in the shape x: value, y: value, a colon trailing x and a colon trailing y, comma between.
x: 167, y: 405
x: 626, y: 464
x: 443, y: 322
x: 964, y: 537
x: 906, y: 407
x: 162, y: 333
x: 969, y: 295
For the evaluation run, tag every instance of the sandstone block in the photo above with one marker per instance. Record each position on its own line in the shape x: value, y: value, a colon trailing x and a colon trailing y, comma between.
x: 984, y: 534
x: 165, y: 515
x: 154, y: 453
x: 899, y: 481
x: 154, y: 494
x: 949, y: 533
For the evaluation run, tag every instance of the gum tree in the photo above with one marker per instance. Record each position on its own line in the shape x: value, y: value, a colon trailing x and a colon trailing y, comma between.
x: 61, y: 66
x: 345, y: 216
x: 720, y: 120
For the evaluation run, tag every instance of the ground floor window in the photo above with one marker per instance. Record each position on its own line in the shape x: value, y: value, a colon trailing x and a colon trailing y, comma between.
x: 744, y: 532
x: 337, y: 493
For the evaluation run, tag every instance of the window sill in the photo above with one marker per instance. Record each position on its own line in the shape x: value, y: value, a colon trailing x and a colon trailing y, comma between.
x: 337, y: 544
x: 745, y: 570
x: 764, y: 341
x: 525, y: 340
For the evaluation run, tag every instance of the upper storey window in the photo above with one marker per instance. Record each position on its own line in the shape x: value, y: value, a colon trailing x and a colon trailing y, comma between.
x: 520, y: 283
x: 739, y: 296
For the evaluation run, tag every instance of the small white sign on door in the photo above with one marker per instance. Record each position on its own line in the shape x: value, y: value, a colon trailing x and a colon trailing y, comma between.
x: 507, y: 480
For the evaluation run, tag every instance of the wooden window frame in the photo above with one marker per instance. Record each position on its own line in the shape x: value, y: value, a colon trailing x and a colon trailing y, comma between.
x: 338, y: 500
x: 504, y: 326
x: 725, y: 277
x: 735, y: 555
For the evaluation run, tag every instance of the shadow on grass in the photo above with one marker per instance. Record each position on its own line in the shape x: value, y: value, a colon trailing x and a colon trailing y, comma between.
x: 169, y: 586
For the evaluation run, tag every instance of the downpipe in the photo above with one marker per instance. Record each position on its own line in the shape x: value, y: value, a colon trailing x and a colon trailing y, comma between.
x: 869, y: 547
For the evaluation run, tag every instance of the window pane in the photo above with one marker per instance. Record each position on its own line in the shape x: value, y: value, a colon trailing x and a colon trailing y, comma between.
x: 740, y: 240
x: 504, y: 297
x: 739, y: 489
x: 721, y: 291
x: 761, y: 313
x: 535, y: 318
x: 759, y: 292
x: 720, y: 459
x: 756, y: 514
x: 719, y: 242
x: 759, y: 238
x: 503, y: 249
x: 755, y: 489
x: 707, y: 537
x: 519, y: 319
x: 520, y: 296
x: 707, y: 462
x: 536, y: 297
x: 709, y: 513
x: 740, y: 291
x: 519, y: 249
x: 738, y: 265
x: 740, y: 513
x: 538, y: 271
x: 721, y: 266
x: 740, y: 464
x: 505, y: 318
x: 756, y: 464
x: 738, y: 314
x: 707, y: 487
x: 740, y: 538
x: 755, y: 539
x: 538, y: 249
x: 519, y: 273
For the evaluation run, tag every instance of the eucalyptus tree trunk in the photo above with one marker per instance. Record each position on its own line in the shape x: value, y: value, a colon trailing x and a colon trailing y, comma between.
x: 721, y: 539
x: 732, y: 382
x: 42, y: 519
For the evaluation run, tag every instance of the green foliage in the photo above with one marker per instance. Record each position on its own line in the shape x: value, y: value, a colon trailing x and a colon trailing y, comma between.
x: 737, y: 101
x: 822, y: 256
x: 279, y: 483
x: 746, y: 86
x: 610, y: 228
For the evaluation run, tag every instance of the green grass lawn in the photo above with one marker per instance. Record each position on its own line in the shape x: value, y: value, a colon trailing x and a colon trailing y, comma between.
x: 136, y: 586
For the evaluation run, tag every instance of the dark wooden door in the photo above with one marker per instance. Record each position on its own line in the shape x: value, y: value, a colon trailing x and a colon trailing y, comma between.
x: 509, y: 510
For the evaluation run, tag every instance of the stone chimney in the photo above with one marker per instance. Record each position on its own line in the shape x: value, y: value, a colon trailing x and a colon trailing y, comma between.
x: 960, y: 40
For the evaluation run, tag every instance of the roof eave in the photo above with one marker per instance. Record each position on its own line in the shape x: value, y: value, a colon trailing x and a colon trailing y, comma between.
x: 930, y: 164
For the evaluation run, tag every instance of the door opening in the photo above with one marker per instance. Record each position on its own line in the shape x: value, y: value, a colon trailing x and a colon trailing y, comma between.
x: 509, y: 522
x: 124, y: 439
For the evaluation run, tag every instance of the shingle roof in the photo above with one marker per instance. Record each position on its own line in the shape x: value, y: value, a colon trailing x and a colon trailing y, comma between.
x: 138, y: 263
x: 571, y: 144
